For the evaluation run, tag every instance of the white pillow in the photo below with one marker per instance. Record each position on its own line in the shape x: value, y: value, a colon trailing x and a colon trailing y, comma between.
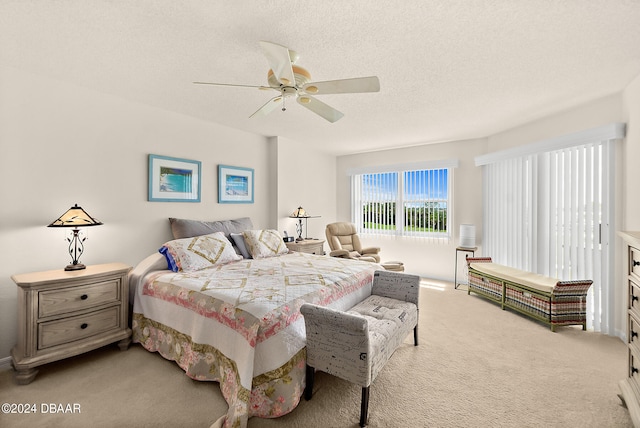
x: 199, y: 252
x: 264, y: 243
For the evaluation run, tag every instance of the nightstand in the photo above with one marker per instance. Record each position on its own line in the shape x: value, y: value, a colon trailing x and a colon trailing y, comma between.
x: 66, y: 313
x: 311, y: 246
x: 471, y: 250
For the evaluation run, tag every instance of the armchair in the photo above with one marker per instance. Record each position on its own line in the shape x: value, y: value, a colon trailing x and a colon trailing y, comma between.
x: 344, y: 242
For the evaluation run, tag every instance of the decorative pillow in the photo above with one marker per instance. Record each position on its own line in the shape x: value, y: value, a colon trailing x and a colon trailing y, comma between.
x: 199, y: 252
x: 171, y: 262
x: 185, y: 228
x: 264, y: 243
x: 238, y: 239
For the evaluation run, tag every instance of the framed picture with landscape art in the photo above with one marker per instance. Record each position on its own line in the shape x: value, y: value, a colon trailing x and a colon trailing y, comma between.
x: 173, y: 179
x: 235, y: 185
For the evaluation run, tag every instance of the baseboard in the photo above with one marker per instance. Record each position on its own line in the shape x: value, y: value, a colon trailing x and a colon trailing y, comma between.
x: 5, y: 363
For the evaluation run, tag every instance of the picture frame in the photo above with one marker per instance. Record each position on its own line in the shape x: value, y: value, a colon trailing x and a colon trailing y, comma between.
x: 174, y: 179
x: 235, y: 185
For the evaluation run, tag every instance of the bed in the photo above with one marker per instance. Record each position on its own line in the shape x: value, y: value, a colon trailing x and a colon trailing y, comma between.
x: 237, y: 321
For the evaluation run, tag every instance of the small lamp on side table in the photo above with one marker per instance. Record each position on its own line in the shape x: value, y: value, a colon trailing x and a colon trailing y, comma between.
x: 75, y: 217
x: 299, y: 213
x: 467, y: 235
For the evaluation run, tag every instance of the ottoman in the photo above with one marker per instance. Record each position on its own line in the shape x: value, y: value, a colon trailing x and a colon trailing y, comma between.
x: 393, y: 266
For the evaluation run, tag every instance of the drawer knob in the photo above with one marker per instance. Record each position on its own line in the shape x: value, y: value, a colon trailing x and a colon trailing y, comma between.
x: 633, y: 370
x: 635, y: 263
x: 84, y: 325
x: 633, y: 299
x: 634, y: 334
x: 84, y: 297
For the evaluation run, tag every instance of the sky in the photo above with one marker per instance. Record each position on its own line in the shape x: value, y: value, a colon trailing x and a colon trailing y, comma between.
x: 419, y: 185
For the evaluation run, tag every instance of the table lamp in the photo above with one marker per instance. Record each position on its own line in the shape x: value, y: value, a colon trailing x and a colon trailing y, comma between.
x: 299, y: 213
x: 75, y: 217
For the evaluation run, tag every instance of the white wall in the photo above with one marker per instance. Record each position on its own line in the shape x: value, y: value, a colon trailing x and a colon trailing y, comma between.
x: 424, y: 257
x: 589, y: 115
x: 62, y: 144
x: 305, y: 178
x: 631, y: 168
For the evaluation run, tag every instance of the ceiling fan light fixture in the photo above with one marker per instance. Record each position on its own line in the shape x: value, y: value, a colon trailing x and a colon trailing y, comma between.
x: 311, y: 89
x: 305, y: 100
x: 301, y: 76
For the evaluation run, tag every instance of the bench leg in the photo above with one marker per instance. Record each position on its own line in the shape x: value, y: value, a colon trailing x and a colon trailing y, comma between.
x: 308, y: 389
x: 364, y: 406
x: 415, y: 335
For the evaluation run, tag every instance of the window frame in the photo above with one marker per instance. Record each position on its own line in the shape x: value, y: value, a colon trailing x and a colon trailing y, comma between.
x: 357, y: 211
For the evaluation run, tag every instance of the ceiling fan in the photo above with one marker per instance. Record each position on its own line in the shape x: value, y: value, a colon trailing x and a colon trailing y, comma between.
x: 291, y: 80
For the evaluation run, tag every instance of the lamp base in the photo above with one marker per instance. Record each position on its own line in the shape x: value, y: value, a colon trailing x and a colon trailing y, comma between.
x: 78, y: 266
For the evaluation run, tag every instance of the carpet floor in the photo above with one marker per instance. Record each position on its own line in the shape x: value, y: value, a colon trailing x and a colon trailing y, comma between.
x: 476, y: 366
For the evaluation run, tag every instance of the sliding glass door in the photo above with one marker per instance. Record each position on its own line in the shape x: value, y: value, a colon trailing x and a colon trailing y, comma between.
x: 552, y: 212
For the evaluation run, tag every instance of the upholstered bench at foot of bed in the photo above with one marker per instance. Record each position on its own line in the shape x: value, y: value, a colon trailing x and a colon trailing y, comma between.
x: 355, y: 345
x: 546, y: 299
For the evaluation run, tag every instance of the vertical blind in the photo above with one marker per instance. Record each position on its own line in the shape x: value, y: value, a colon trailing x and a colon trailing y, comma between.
x: 551, y: 212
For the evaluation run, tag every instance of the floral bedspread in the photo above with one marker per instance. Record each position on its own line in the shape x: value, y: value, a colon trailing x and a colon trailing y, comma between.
x: 240, y: 324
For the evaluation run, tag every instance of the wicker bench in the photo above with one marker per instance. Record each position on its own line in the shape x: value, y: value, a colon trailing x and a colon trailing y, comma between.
x: 545, y: 299
x: 355, y: 345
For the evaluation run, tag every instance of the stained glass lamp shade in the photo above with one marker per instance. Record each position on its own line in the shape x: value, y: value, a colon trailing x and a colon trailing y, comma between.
x: 75, y: 217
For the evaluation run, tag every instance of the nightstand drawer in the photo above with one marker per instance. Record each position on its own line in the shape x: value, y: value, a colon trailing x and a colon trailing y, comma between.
x: 77, y: 298
x: 634, y: 332
x: 634, y: 262
x: 634, y: 298
x: 634, y: 369
x: 67, y: 330
x: 311, y: 246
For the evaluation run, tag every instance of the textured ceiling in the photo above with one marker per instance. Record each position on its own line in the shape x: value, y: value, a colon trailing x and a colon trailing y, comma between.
x: 448, y: 69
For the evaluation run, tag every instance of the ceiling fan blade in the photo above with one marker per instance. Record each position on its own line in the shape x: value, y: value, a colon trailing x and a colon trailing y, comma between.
x: 268, y: 107
x: 343, y: 86
x: 231, y: 84
x: 279, y: 60
x: 320, y: 108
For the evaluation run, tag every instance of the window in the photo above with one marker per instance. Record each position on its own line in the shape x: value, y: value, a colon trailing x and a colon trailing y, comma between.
x: 409, y: 200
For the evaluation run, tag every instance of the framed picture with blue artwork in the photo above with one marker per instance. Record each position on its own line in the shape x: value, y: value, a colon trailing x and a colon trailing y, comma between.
x: 173, y: 179
x: 235, y: 185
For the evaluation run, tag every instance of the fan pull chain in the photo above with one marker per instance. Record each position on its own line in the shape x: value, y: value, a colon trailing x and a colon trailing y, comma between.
x: 284, y: 108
